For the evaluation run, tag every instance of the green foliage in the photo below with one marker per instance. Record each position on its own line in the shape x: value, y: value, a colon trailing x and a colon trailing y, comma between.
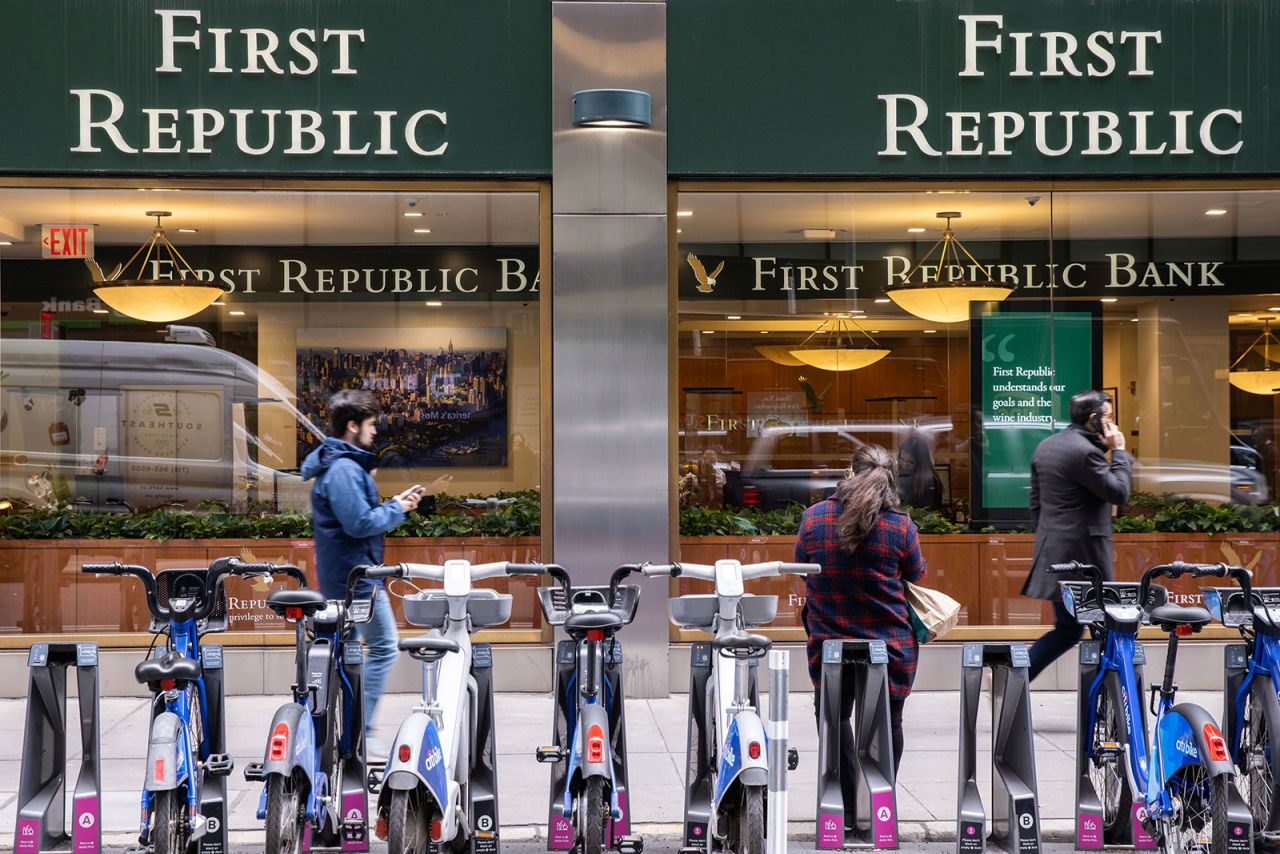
x: 933, y: 522
x: 521, y: 519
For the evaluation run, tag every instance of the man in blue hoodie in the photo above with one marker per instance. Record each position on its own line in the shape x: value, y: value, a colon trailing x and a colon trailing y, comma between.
x: 349, y: 521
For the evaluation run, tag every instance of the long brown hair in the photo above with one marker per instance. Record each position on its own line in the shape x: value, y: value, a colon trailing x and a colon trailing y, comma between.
x: 870, y: 489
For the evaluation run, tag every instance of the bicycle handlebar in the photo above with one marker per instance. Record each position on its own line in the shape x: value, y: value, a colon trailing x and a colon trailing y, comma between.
x: 214, y: 579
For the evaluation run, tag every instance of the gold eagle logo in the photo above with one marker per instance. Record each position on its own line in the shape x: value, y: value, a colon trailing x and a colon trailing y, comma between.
x: 706, y: 284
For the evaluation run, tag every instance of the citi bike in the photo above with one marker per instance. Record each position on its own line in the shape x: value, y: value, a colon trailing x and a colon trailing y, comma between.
x: 313, y: 766
x: 1251, y: 707
x: 1180, y: 777
x: 727, y: 771
x: 185, y: 604
x: 589, y: 809
x: 439, y: 788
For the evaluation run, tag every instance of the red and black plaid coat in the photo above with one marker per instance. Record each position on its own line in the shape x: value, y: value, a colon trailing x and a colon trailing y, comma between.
x: 861, y: 594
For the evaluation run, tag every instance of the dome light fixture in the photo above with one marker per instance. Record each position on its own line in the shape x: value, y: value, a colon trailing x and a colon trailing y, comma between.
x: 842, y: 354
x: 947, y: 300
x: 618, y: 108
x: 149, y: 299
x: 1265, y: 381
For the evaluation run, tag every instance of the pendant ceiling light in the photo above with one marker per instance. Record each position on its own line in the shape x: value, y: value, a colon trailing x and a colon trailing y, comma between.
x: 154, y: 300
x: 842, y: 354
x: 1265, y: 381
x: 779, y: 354
x: 947, y: 300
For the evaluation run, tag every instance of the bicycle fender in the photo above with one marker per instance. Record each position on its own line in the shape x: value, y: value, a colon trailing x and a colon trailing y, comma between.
x: 300, y: 750
x: 424, y: 762
x: 1210, y: 746
x: 165, y: 766
x: 735, y: 762
x: 594, y: 715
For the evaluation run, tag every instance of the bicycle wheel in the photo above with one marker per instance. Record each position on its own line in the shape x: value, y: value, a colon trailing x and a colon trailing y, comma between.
x: 751, y: 821
x: 1257, y: 782
x: 593, y: 816
x: 169, y: 825
x: 1201, y: 823
x: 1106, y: 767
x: 406, y: 825
x: 285, y: 816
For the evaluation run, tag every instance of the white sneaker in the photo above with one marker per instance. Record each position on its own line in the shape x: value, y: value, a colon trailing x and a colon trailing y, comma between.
x: 375, y: 749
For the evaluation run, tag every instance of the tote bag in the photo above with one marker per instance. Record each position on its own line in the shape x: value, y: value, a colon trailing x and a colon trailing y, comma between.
x: 933, y: 614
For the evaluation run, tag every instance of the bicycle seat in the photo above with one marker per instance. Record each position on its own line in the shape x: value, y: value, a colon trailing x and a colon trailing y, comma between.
x: 428, y: 648
x: 743, y: 643
x: 1169, y: 617
x: 592, y: 620
x: 310, y: 601
x: 179, y: 668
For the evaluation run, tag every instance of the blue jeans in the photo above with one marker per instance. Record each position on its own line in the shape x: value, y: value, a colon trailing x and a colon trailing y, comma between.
x: 380, y: 638
x: 1066, y: 633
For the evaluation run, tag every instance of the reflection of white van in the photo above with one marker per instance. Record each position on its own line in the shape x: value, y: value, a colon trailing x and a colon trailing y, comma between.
x: 115, y: 424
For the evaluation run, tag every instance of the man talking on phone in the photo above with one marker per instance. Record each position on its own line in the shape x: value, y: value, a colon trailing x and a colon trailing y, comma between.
x: 1073, y: 488
x: 349, y: 521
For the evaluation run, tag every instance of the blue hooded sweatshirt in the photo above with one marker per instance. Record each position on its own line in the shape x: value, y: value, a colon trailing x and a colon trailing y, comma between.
x: 347, y: 520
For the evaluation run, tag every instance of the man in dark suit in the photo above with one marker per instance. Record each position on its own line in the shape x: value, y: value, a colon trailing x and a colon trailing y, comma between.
x: 1073, y: 488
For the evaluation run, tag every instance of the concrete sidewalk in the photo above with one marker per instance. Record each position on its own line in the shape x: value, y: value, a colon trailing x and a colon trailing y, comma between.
x: 656, y: 742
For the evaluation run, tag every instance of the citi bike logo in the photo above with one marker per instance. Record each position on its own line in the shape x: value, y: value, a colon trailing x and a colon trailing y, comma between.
x: 432, y: 759
x: 730, y: 758
x: 1187, y: 746
x: 1088, y: 824
x: 829, y: 824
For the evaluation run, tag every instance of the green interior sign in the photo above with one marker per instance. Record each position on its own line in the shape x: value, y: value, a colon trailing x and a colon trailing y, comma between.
x: 1026, y: 363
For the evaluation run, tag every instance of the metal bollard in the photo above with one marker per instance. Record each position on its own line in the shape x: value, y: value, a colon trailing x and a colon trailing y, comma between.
x: 778, y: 732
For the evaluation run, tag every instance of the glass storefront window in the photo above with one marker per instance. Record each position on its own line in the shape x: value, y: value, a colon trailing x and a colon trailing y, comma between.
x: 1154, y: 296
x: 429, y: 299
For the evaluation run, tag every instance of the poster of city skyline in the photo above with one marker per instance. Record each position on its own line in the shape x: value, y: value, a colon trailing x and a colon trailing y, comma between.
x: 443, y: 392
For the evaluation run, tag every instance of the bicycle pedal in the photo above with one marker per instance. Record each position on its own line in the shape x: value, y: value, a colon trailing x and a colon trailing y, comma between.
x: 141, y: 849
x: 374, y: 777
x: 219, y: 765
x: 1271, y: 837
x: 255, y: 772
x: 354, y: 830
x: 630, y: 845
x: 793, y: 759
x: 549, y: 754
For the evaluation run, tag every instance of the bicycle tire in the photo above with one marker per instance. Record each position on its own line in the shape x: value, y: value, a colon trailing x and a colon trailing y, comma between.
x: 405, y: 824
x: 1108, y: 777
x: 285, y: 817
x: 751, y: 832
x: 169, y: 825
x: 593, y: 823
x: 1197, y: 823
x: 1259, y: 761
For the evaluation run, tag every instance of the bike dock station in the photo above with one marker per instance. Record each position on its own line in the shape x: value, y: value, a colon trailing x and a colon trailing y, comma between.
x: 484, y: 768
x: 560, y: 831
x: 352, y: 786
x: 859, y: 667
x: 213, y: 792
x: 1015, y: 813
x: 41, y: 825
x: 698, y: 770
x: 1091, y: 831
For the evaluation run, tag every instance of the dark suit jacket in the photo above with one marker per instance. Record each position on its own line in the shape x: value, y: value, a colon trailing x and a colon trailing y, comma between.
x: 1073, y: 488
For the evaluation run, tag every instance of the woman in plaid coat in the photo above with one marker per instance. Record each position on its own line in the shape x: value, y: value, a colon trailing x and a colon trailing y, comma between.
x: 868, y: 550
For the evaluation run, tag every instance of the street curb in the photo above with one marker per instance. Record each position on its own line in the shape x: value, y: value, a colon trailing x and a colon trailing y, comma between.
x: 1052, y: 830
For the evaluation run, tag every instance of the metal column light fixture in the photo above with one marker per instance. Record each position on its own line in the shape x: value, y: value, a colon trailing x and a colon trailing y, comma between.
x: 617, y: 108
x: 150, y: 299
x: 1265, y: 381
x: 947, y: 300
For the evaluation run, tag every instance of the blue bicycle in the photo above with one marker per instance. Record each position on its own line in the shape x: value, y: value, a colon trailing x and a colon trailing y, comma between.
x: 1181, y: 777
x: 185, y: 604
x: 1251, y: 707
x: 316, y: 742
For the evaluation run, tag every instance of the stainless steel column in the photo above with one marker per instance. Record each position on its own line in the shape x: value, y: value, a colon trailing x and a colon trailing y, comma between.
x: 610, y: 317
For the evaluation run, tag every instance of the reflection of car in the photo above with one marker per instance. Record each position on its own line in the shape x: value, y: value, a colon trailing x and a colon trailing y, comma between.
x: 112, y: 424
x: 1243, y: 480
x: 800, y: 464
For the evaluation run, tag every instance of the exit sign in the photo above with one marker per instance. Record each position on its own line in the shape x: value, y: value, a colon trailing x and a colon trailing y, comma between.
x: 66, y: 241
